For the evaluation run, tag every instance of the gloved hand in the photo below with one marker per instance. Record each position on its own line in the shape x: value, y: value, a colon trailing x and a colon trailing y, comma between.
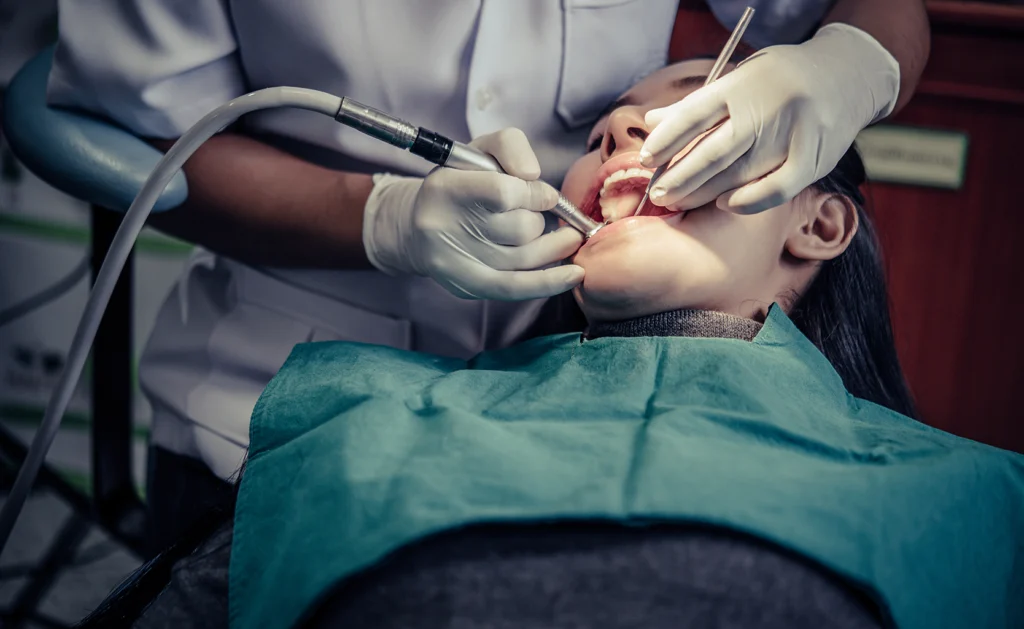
x: 793, y: 111
x: 478, y: 234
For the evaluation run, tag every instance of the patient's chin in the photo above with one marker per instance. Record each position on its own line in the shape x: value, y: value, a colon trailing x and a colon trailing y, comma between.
x: 617, y: 288
x: 614, y: 297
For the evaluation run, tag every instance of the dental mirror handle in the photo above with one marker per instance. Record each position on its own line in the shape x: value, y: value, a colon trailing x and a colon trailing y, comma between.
x: 716, y: 71
x: 440, y: 150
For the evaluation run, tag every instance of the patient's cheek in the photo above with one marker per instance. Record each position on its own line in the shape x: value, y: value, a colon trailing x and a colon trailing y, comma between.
x: 580, y: 177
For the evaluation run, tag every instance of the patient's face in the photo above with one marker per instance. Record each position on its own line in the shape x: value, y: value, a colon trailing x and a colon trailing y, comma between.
x: 661, y: 260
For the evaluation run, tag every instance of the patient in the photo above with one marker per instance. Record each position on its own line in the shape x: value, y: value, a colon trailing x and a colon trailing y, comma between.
x: 713, y: 261
x: 728, y: 444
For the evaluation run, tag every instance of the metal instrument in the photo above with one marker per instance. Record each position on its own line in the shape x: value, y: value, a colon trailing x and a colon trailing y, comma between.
x: 443, y: 151
x: 716, y: 71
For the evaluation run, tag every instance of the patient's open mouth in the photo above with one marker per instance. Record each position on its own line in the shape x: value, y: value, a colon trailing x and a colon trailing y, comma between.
x: 622, y: 192
x: 617, y: 190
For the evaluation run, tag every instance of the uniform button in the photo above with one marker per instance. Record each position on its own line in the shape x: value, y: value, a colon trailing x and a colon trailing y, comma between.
x: 484, y: 97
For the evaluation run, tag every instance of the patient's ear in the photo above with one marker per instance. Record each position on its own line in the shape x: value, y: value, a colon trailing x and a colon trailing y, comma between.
x: 825, y: 225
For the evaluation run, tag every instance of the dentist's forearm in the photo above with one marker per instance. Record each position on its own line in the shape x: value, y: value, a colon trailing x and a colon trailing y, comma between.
x: 900, y: 26
x: 258, y: 205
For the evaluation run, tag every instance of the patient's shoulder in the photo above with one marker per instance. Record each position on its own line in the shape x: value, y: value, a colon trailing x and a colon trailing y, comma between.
x: 914, y: 438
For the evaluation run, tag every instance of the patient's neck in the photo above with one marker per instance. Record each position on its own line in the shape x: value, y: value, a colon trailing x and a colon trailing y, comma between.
x: 696, y: 323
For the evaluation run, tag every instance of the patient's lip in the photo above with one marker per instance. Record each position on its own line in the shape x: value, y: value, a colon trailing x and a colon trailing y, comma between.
x: 634, y: 222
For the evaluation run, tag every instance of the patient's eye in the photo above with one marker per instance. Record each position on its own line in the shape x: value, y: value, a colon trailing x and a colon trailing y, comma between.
x: 596, y: 144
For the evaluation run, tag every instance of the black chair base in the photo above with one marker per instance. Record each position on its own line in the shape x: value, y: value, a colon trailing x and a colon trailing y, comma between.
x: 118, y: 507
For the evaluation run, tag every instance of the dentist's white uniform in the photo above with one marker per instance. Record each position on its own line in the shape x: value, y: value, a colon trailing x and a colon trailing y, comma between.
x: 461, y: 67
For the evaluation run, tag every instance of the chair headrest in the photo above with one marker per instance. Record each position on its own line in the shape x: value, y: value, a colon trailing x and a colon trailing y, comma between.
x: 79, y: 154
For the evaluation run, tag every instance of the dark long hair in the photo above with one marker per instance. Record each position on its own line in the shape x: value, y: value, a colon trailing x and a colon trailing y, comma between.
x: 129, y: 600
x: 845, y: 310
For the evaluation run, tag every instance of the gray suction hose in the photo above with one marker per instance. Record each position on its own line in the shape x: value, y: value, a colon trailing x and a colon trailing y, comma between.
x: 120, y: 248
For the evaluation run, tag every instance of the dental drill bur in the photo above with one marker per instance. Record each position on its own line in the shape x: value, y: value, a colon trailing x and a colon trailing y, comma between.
x: 440, y: 150
x: 716, y: 71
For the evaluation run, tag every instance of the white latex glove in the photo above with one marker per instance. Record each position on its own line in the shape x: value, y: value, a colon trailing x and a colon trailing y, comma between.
x: 478, y: 234
x: 793, y: 111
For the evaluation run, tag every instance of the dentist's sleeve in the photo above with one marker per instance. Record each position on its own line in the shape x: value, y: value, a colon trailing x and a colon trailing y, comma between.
x: 154, y: 66
x: 775, y: 21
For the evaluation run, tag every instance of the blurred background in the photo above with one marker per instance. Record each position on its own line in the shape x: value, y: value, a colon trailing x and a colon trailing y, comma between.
x: 945, y: 192
x: 44, y: 239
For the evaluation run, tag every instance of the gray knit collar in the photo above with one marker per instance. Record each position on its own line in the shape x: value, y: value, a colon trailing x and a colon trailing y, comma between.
x: 693, y: 323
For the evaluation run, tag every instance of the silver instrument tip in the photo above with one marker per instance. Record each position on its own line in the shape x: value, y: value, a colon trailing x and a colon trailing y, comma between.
x: 655, y: 176
x: 590, y: 234
x: 643, y: 201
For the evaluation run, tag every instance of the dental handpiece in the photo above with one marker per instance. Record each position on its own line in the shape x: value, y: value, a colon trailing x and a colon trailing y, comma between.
x: 440, y: 150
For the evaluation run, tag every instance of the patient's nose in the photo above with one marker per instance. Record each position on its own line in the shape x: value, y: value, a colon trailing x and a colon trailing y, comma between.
x: 625, y: 132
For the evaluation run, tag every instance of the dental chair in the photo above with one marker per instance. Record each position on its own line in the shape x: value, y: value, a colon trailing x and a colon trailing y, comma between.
x: 95, y: 161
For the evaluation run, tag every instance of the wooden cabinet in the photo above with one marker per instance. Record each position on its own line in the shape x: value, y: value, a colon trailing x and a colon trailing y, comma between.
x: 955, y: 258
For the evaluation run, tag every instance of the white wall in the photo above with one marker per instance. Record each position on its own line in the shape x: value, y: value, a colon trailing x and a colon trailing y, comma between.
x: 43, y: 236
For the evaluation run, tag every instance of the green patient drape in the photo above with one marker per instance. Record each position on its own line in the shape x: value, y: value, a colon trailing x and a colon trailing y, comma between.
x: 358, y: 450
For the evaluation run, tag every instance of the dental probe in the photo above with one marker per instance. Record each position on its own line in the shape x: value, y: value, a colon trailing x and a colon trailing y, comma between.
x: 716, y: 71
x: 445, y: 152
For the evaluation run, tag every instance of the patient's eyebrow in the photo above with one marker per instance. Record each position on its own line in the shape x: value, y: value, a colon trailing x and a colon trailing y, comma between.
x: 689, y: 81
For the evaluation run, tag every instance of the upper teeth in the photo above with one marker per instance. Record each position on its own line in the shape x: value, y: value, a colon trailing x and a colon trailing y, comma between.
x: 621, y: 175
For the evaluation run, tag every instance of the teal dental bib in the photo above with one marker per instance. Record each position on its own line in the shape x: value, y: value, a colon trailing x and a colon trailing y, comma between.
x: 358, y: 450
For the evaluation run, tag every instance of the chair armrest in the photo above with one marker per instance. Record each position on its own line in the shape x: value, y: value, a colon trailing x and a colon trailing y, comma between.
x: 80, y: 155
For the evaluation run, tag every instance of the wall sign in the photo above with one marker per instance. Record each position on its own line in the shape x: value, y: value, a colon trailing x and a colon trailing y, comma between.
x: 915, y: 156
